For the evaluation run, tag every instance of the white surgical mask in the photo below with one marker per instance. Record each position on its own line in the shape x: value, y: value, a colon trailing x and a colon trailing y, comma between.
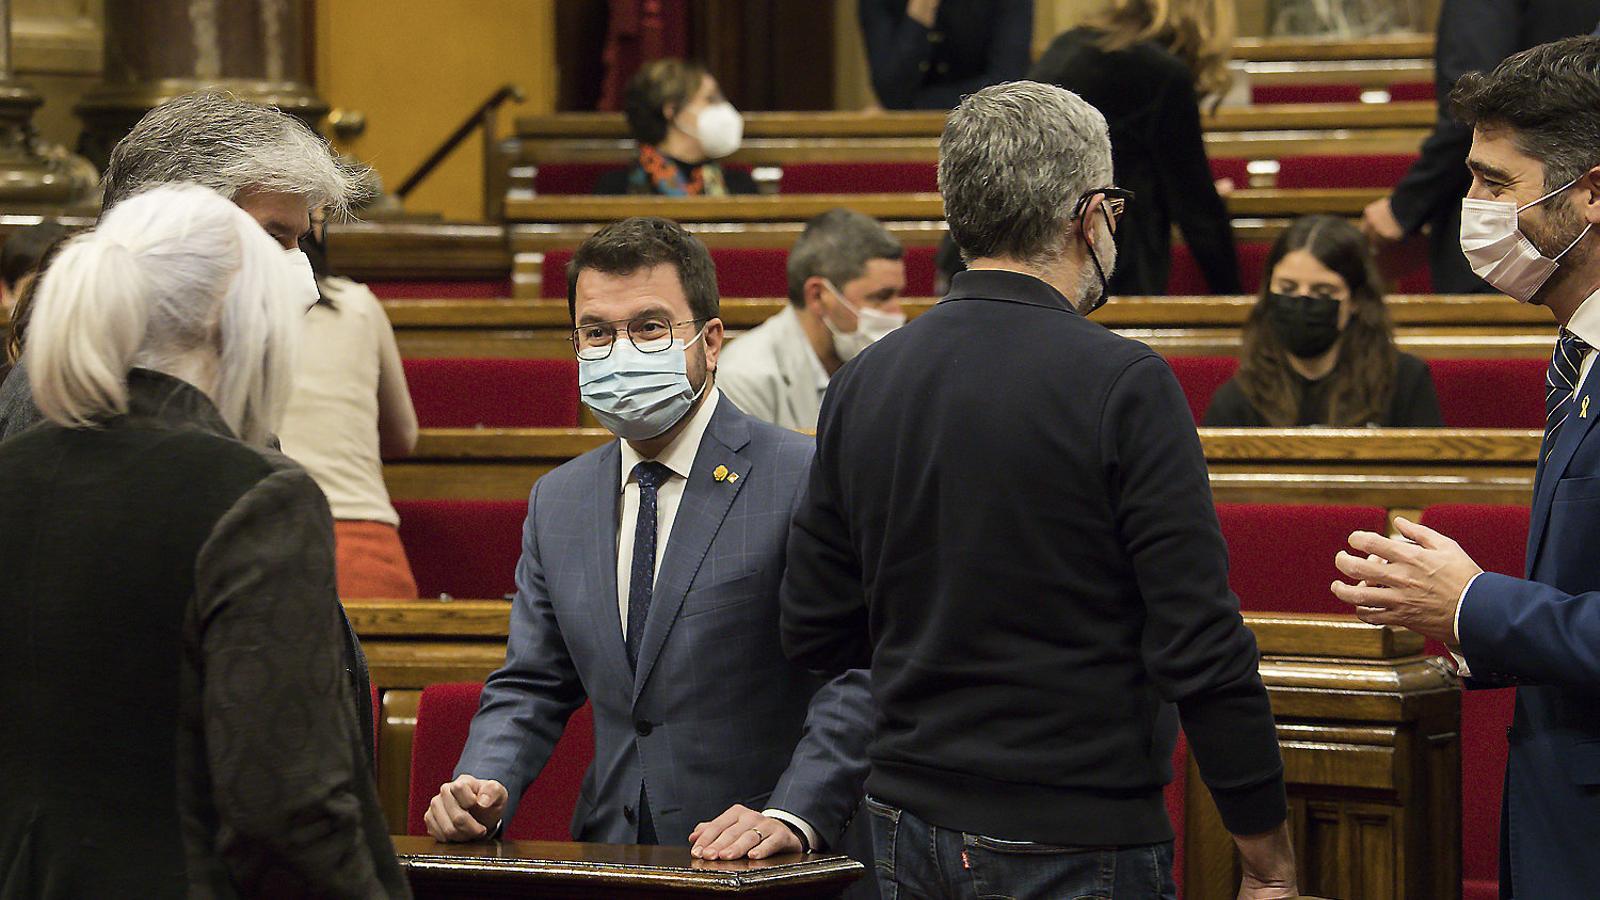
x: 1500, y: 253
x: 305, y: 278
x: 719, y: 128
x: 871, y: 326
x: 638, y: 395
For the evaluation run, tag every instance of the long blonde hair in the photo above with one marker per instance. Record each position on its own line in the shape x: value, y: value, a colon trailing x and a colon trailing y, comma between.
x: 168, y: 272
x: 1199, y: 32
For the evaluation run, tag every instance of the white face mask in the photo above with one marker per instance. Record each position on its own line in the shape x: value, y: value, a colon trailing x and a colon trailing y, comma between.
x: 304, y: 278
x: 719, y: 129
x: 1498, y: 251
x: 871, y: 326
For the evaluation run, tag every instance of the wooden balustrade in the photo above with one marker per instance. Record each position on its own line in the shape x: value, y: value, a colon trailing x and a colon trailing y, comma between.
x: 1368, y: 726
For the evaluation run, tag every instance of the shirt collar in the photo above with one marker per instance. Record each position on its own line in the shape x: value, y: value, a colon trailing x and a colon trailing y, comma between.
x: 1004, y: 284
x: 1585, y: 322
x: 679, y: 455
x: 817, y: 370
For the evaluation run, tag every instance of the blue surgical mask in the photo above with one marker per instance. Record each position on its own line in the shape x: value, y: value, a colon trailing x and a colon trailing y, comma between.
x: 636, y: 395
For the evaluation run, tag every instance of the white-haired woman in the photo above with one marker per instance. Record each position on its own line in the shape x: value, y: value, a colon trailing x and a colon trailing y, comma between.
x: 177, y: 683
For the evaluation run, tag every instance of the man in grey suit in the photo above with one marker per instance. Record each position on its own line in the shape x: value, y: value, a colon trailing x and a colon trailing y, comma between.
x: 705, y: 734
x: 846, y: 274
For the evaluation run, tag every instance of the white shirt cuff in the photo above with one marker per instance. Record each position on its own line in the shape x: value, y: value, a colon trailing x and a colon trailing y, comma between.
x: 1461, y: 661
x: 796, y: 821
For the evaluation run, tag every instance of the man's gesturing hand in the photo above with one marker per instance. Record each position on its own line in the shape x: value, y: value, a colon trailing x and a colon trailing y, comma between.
x: 466, y: 809
x: 742, y: 832
x: 1414, y: 581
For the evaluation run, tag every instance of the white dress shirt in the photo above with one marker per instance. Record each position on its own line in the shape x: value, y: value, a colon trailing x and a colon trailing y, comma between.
x: 1586, y: 325
x: 678, y: 457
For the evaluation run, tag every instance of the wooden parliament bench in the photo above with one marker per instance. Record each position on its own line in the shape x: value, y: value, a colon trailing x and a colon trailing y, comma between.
x: 1368, y: 725
x: 1402, y: 470
x: 1429, y: 325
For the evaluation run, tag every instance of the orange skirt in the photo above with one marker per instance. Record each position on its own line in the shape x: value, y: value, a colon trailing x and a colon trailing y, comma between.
x: 371, y: 562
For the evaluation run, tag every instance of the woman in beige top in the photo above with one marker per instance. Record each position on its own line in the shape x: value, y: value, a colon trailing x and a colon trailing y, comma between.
x: 349, y: 411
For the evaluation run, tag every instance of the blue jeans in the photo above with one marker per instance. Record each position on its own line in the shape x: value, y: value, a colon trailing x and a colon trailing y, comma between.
x: 915, y: 860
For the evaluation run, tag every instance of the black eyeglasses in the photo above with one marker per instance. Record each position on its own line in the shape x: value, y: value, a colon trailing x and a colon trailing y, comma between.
x: 593, y: 341
x: 1115, y: 203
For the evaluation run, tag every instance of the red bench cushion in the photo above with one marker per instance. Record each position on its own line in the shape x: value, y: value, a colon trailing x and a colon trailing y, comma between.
x: 464, y: 548
x: 1305, y: 93
x: 494, y: 393
x: 1490, y: 393
x: 444, y: 716
x: 1280, y: 556
x: 580, y: 178
x: 1329, y: 171
x: 1200, y: 377
x: 1496, y: 538
x: 860, y: 178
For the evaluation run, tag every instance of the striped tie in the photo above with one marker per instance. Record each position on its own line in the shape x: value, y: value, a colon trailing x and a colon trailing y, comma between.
x: 1561, y: 382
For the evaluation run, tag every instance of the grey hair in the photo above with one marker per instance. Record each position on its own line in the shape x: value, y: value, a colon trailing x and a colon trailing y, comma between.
x: 173, y: 272
x: 1013, y: 160
x: 837, y: 245
x: 231, y: 146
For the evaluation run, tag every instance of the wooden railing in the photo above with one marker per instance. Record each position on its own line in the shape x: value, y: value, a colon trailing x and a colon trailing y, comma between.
x: 1368, y: 726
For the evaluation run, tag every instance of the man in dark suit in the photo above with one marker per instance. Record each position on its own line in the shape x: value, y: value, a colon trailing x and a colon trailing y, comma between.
x: 1474, y: 35
x: 1027, y: 555
x: 1534, y: 201
x: 704, y: 733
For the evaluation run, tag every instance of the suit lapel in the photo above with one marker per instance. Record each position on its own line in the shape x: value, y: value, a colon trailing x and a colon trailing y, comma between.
x: 795, y: 359
x: 1554, y: 465
x: 603, y: 556
x: 705, y: 504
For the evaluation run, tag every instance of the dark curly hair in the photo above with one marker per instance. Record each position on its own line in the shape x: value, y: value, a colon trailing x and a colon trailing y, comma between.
x: 1549, y: 97
x: 643, y: 242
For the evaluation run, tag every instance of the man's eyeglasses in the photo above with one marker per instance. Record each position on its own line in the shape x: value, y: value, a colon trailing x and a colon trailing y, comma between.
x: 1115, y: 203
x: 593, y: 341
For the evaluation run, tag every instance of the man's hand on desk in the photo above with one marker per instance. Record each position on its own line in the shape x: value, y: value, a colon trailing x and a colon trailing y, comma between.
x: 1414, y: 581
x: 466, y: 809
x: 742, y: 832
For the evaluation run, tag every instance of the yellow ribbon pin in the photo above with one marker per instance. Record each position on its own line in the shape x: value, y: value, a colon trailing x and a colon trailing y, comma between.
x: 720, y: 473
x: 1583, y: 409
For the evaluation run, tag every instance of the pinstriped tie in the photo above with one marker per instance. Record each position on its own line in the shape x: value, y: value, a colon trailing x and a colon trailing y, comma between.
x: 1561, y: 382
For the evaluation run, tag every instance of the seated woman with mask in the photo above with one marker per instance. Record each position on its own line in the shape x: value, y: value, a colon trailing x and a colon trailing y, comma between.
x: 683, y: 125
x: 1318, y: 348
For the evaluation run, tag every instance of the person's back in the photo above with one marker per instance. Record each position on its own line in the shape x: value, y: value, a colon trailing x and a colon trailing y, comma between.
x: 333, y: 425
x: 1027, y: 553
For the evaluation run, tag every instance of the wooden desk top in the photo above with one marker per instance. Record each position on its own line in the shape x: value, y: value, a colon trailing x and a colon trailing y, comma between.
x: 550, y: 869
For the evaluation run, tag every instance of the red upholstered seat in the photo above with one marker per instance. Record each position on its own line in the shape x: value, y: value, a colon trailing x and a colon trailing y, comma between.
x: 859, y: 178
x: 1200, y: 376
x: 464, y: 548
x: 1176, y: 805
x: 753, y: 271
x: 1186, y: 279
x: 423, y: 289
x: 1496, y: 538
x: 580, y: 178
x: 1329, y: 171
x: 494, y: 393
x: 1490, y: 393
x: 1305, y: 93
x: 1232, y: 168
x: 444, y: 715
x: 1280, y: 556
x: 1411, y: 91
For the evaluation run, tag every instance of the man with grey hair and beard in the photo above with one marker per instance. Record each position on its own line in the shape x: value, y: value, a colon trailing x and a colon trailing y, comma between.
x: 1009, y: 521
x: 270, y: 164
x: 846, y: 274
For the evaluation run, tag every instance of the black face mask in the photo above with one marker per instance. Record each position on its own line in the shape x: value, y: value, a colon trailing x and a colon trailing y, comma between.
x: 1308, y: 326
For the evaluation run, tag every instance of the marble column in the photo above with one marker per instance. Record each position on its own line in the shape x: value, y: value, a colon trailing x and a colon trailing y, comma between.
x: 159, y: 49
x: 27, y: 176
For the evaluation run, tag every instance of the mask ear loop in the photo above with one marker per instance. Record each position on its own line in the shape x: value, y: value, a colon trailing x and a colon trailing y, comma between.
x: 1105, y: 286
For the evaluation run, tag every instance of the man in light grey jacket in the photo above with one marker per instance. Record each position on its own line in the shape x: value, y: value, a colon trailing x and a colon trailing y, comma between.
x: 846, y: 275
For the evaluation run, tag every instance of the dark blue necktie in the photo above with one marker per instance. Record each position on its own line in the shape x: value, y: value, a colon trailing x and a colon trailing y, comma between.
x: 650, y: 475
x: 1561, y: 383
